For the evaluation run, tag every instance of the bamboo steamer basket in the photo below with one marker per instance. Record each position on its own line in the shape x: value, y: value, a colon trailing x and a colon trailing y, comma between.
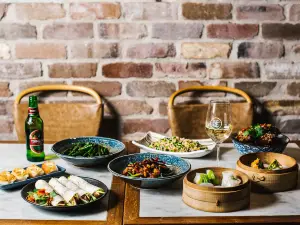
x: 263, y: 180
x: 216, y: 199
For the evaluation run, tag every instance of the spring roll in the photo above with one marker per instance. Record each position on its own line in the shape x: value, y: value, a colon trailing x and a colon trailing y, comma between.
x: 57, y: 199
x: 94, y: 190
x: 68, y: 195
x: 84, y: 195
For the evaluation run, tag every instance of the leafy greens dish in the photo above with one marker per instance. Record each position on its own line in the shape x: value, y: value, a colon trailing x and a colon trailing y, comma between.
x: 259, y: 134
x: 64, y: 192
x: 86, y: 149
x: 148, y: 168
x: 177, y: 144
x: 274, y: 165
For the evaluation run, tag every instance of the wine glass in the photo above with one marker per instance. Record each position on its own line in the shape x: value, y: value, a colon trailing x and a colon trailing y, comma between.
x: 218, y: 122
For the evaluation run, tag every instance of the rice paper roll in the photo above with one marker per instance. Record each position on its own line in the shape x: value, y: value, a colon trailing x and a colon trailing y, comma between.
x: 68, y: 195
x: 58, y: 201
x: 84, y: 195
x: 92, y: 189
x: 41, y: 184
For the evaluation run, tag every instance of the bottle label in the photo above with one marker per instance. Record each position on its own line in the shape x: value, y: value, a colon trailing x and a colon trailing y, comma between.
x: 216, y: 123
x: 33, y: 111
x: 36, y: 142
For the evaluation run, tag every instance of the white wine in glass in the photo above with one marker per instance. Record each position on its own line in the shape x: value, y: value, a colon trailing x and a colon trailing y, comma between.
x: 218, y: 122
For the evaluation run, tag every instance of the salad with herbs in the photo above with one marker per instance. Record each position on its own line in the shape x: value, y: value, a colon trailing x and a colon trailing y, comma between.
x: 177, y: 144
x: 259, y: 134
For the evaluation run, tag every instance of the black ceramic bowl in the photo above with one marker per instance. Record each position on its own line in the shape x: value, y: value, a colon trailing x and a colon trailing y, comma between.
x: 178, y: 166
x: 244, y: 148
x: 115, y: 148
x: 31, y: 187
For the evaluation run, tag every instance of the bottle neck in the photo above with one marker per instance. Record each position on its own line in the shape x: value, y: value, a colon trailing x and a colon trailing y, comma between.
x: 33, y: 111
x: 33, y: 106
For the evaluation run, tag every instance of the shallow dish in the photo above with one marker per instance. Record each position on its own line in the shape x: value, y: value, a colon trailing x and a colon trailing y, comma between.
x: 151, y: 137
x: 245, y: 148
x: 178, y: 166
x: 216, y: 199
x: 115, y: 148
x: 264, y: 180
x: 17, y: 184
x: 31, y: 186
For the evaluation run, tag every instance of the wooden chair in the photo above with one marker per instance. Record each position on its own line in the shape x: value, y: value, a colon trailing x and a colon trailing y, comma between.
x: 62, y: 120
x: 188, y: 120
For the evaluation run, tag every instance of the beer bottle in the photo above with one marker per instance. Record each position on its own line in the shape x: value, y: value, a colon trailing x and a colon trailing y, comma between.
x: 34, y: 129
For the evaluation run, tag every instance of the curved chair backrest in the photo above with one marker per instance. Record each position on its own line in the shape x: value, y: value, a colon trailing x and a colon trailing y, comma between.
x: 62, y: 120
x: 188, y: 120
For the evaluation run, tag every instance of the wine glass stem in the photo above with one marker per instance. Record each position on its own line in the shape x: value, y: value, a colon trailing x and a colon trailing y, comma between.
x: 218, y: 155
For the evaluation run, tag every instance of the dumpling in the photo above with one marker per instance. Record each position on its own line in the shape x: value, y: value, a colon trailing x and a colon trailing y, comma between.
x: 6, y: 178
x: 34, y: 171
x: 230, y: 180
x: 20, y: 174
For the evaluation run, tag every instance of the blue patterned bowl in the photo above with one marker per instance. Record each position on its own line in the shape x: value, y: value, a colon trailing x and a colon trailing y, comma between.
x: 178, y: 165
x: 245, y: 148
x: 115, y: 148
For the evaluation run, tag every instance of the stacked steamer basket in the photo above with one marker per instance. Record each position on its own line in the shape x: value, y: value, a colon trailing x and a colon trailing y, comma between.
x: 263, y: 180
x: 216, y: 199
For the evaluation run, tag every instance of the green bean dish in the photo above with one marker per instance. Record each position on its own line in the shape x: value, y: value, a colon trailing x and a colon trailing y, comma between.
x: 177, y: 144
x: 86, y: 149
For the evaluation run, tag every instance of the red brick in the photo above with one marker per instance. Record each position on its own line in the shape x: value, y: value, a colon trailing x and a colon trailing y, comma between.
x: 260, y: 50
x: 19, y: 71
x: 256, y: 89
x: 122, y: 30
x: 151, y: 50
x: 125, y: 70
x: 232, y: 31
x: 295, y: 12
x: 260, y: 12
x: 145, y: 125
x: 150, y: 89
x: 233, y: 70
x: 205, y: 50
x: 92, y: 11
x: 16, y: 31
x: 39, y: 11
x: 94, y: 50
x: 190, y: 83
x: 150, y: 11
x: 130, y: 107
x: 76, y: 70
x: 4, y: 89
x: 172, y: 69
x: 283, y: 107
x: 280, y: 31
x: 3, y: 9
x: 71, y: 31
x: 282, y: 70
x: 201, y: 11
x: 176, y: 31
x: 30, y: 84
x: 6, y: 126
x: 103, y: 88
x: 293, y: 89
x: 40, y: 51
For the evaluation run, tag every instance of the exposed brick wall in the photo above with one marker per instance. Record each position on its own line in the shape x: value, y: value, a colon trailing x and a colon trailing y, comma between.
x: 137, y: 53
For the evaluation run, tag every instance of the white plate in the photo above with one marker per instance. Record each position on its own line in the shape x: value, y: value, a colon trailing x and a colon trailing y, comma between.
x: 151, y: 137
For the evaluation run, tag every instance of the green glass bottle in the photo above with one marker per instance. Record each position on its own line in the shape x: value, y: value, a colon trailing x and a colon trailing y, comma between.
x: 34, y: 129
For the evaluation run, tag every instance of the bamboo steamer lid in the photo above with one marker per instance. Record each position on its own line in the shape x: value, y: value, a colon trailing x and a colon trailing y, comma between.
x: 270, y: 180
x: 216, y: 199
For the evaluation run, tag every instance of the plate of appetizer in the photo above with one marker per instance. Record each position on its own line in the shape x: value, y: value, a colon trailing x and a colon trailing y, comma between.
x: 216, y: 189
x: 148, y: 170
x: 259, y: 138
x: 181, y: 147
x: 88, y: 151
x: 64, y: 193
x: 19, y: 177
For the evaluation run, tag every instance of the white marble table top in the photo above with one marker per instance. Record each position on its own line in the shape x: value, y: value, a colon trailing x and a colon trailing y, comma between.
x: 12, y: 206
x: 167, y: 202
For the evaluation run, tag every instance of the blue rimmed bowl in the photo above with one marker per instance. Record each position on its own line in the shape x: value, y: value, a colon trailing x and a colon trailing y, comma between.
x: 115, y: 148
x: 245, y: 148
x: 178, y: 166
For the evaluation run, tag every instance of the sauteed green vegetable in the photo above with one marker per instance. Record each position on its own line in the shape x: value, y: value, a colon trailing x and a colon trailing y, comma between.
x: 86, y: 149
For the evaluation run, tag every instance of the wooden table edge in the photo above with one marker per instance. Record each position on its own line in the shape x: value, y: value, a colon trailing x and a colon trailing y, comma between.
x: 132, y: 211
x: 114, y: 213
